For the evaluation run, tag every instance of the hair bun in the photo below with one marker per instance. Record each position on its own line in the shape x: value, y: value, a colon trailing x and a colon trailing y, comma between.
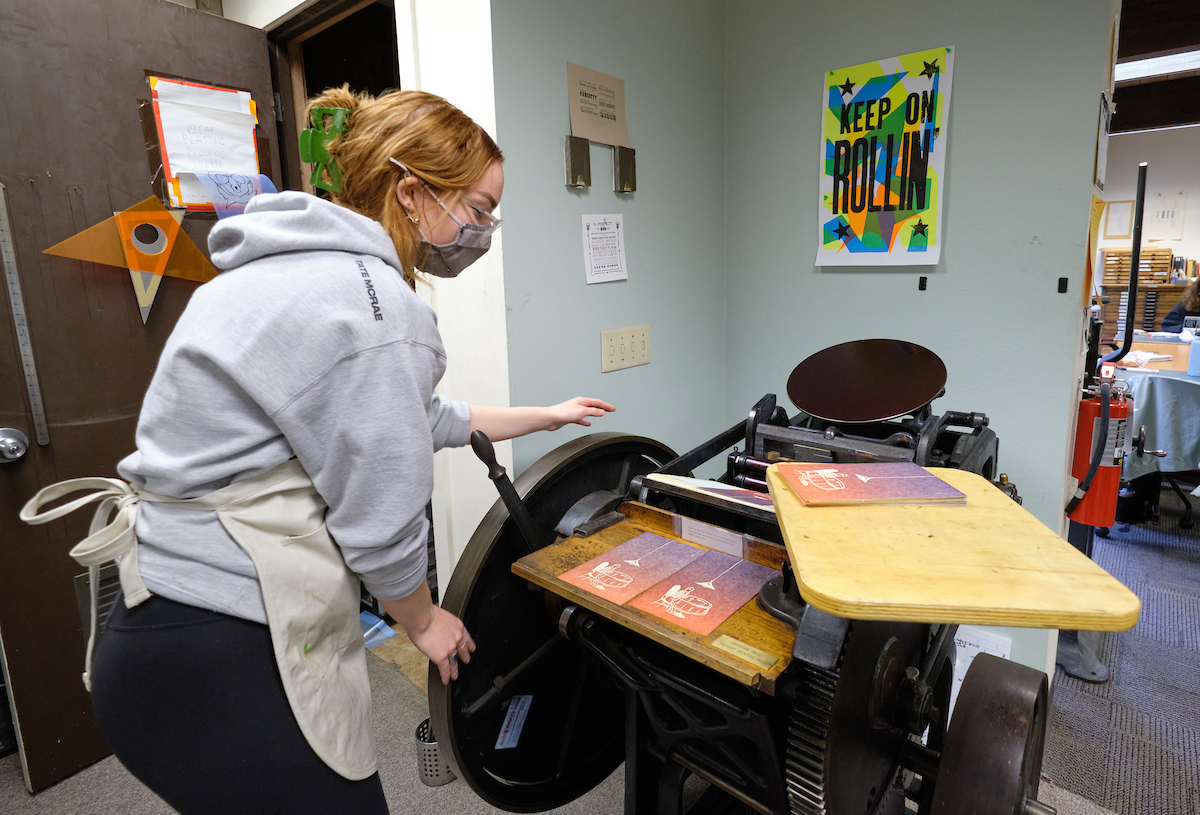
x: 341, y: 97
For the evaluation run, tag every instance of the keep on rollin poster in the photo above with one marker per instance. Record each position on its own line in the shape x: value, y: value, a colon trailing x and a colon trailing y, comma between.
x: 883, y: 161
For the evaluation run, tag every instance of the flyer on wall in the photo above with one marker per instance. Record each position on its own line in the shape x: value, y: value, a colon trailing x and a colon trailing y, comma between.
x: 883, y: 161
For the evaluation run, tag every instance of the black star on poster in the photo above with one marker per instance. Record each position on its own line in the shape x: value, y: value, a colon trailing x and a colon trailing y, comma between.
x: 919, y: 228
x: 843, y: 232
x: 931, y: 68
x: 847, y: 87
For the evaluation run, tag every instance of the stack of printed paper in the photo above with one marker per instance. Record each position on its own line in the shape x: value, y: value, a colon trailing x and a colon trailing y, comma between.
x: 693, y: 588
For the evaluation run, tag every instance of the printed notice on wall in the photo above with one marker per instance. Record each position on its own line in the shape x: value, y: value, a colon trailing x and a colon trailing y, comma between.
x: 604, y: 248
x: 597, y: 104
x: 883, y: 161
x: 970, y: 642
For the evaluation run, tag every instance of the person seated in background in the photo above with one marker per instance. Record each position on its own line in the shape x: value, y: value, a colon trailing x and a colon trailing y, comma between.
x: 1188, y: 306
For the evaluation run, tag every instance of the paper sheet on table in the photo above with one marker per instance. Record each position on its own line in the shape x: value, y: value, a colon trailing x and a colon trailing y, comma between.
x: 623, y: 572
x: 703, y: 594
x: 1138, y: 359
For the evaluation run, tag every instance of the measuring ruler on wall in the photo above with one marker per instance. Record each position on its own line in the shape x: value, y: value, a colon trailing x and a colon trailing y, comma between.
x: 24, y: 345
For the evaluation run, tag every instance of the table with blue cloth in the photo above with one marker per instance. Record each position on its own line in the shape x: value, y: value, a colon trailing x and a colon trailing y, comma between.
x: 1167, y: 404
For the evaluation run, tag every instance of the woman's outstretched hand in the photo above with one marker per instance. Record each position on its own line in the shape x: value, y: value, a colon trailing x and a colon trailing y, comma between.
x: 499, y: 423
x: 576, y: 411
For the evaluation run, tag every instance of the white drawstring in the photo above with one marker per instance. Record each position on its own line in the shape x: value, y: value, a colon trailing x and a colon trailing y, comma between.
x: 108, y: 538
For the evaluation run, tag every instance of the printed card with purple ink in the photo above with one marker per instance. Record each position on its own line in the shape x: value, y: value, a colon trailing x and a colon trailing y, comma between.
x: 703, y: 594
x: 627, y: 570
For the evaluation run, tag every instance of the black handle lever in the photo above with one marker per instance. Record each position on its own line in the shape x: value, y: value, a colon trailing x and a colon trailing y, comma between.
x: 482, y: 446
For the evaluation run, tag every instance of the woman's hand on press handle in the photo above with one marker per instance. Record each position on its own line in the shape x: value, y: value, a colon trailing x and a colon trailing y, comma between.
x: 438, y: 634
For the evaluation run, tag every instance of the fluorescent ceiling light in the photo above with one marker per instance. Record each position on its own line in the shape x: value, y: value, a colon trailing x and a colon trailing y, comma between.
x: 1157, y: 66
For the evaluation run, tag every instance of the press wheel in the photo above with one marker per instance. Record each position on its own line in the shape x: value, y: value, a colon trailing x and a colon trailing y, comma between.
x: 573, y: 732
x: 992, y: 759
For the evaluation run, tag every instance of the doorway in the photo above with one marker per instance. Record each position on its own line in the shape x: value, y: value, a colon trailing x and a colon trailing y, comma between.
x: 331, y: 44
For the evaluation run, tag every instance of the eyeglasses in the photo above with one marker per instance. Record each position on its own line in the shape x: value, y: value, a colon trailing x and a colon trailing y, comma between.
x: 487, y: 220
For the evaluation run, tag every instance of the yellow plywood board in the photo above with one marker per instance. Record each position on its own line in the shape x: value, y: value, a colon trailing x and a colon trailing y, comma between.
x: 987, y: 563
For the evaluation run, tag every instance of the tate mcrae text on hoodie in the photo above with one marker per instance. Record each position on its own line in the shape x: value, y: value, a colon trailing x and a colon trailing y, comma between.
x: 362, y: 268
x: 854, y: 161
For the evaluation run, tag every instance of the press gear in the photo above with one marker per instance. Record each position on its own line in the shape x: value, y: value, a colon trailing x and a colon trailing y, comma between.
x: 311, y: 597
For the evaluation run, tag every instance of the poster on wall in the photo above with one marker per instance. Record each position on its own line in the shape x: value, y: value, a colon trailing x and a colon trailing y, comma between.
x: 597, y: 106
x: 1166, y: 217
x: 604, y: 248
x: 883, y: 161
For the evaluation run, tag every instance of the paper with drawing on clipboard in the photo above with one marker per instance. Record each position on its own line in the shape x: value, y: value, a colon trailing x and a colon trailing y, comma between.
x: 202, y: 129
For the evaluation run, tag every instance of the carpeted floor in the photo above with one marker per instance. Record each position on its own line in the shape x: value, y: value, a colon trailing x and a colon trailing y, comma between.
x: 106, y: 787
x: 1086, y: 756
x: 1133, y: 743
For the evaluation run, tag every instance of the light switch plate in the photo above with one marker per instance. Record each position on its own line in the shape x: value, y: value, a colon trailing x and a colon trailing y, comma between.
x: 624, y: 348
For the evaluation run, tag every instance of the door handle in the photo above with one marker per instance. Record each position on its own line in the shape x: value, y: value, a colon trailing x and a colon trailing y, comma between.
x: 13, y: 444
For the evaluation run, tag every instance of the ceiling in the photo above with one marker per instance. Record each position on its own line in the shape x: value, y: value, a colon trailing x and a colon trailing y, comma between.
x: 1151, y: 28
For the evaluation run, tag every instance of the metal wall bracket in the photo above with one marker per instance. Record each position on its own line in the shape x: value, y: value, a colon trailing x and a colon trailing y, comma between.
x: 624, y: 169
x: 577, y: 154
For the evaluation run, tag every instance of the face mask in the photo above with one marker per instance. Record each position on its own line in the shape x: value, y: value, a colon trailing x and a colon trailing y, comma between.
x: 449, y: 259
x: 470, y: 243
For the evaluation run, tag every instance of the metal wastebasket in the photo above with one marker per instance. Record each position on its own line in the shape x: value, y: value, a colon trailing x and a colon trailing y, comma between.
x: 431, y: 766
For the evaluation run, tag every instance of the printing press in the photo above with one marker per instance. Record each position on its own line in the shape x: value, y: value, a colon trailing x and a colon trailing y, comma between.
x: 784, y: 707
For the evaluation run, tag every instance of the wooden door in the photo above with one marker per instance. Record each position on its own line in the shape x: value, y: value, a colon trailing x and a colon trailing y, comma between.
x: 72, y: 73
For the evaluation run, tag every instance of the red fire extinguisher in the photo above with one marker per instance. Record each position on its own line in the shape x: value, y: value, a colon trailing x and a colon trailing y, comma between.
x: 1101, y: 440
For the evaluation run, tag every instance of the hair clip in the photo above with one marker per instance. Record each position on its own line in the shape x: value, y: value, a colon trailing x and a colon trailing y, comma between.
x: 314, y: 146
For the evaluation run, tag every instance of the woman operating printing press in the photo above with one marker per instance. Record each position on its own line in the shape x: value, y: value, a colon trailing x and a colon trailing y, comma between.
x: 284, y: 453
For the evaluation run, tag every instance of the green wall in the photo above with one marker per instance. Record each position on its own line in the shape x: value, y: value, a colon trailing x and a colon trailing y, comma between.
x: 1023, y: 111
x: 1027, y: 79
x: 724, y: 101
x: 670, y: 53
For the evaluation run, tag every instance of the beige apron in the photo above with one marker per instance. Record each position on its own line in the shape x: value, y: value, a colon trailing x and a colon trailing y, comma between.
x: 311, y: 598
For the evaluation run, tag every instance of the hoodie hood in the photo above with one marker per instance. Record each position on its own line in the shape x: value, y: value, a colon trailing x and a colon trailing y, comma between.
x: 275, y: 224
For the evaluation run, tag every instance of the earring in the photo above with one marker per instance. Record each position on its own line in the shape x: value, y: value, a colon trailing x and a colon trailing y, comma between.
x: 416, y: 219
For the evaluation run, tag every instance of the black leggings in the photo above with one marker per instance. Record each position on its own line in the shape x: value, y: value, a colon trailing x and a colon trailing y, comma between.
x: 192, y: 704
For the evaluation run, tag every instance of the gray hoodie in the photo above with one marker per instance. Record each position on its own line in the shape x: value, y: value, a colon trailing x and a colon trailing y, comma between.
x: 309, y: 344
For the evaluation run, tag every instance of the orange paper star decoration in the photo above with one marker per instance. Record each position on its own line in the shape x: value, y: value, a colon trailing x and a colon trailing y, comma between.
x: 116, y: 242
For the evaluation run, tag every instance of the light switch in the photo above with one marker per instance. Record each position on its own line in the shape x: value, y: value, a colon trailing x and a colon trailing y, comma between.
x: 624, y: 348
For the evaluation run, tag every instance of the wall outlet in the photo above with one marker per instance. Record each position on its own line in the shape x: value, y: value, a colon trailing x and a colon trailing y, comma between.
x: 624, y: 348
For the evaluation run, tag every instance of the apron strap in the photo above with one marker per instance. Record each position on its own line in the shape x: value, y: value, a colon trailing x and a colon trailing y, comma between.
x: 110, y: 536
